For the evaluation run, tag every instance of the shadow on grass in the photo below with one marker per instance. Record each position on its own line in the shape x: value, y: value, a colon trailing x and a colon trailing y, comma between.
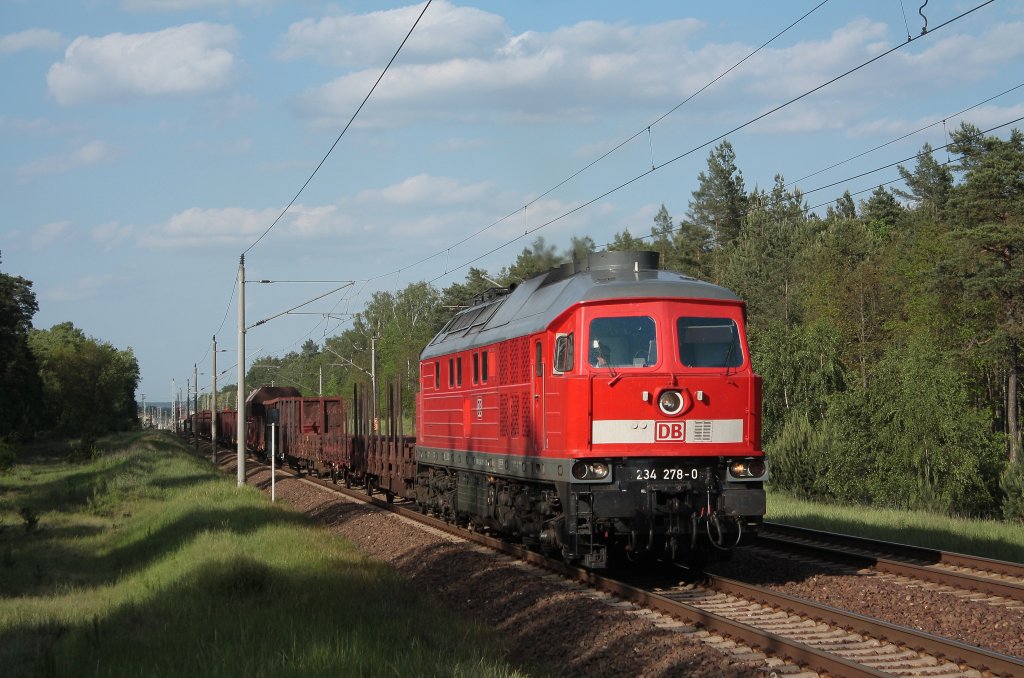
x: 244, y: 617
x: 43, y: 565
x: 69, y: 491
x: 931, y: 538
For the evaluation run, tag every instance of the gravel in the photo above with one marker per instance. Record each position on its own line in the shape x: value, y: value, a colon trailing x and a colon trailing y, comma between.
x: 565, y: 630
x: 995, y: 626
x: 545, y: 624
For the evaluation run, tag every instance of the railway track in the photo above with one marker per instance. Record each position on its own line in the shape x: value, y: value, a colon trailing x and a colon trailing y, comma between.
x: 986, y: 577
x: 747, y: 619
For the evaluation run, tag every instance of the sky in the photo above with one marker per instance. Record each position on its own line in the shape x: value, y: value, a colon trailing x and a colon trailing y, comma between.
x: 145, y: 145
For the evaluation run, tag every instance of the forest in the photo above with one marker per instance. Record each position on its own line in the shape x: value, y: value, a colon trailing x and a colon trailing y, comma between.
x: 57, y: 381
x: 887, y: 330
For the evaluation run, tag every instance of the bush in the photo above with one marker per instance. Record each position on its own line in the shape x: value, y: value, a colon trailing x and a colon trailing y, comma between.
x: 1011, y: 482
x: 797, y: 458
x: 7, y: 456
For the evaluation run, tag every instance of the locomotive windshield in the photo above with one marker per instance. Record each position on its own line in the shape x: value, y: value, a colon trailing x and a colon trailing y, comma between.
x: 709, y: 342
x: 626, y: 341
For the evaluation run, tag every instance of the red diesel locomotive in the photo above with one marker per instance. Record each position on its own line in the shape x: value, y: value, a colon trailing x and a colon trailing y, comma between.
x: 603, y: 408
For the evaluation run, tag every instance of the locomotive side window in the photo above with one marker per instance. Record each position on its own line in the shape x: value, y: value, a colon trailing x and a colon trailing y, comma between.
x: 458, y: 371
x: 709, y: 342
x: 437, y: 375
x: 476, y: 368
x: 451, y: 372
x: 483, y: 365
x: 563, y: 353
x: 627, y: 341
x: 539, y: 360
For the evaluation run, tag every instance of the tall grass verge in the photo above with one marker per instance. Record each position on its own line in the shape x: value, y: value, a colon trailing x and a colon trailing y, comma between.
x: 986, y: 538
x: 145, y: 561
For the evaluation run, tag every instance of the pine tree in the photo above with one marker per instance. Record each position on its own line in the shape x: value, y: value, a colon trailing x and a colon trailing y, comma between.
x: 989, y: 211
x: 720, y: 201
x: 929, y: 184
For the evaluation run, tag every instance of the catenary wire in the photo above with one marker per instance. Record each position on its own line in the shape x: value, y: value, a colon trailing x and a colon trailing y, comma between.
x: 347, y: 125
x: 636, y: 178
x: 908, y: 134
x: 654, y: 168
x: 607, y: 153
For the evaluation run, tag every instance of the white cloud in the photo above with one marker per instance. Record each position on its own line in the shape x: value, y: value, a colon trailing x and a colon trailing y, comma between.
x: 90, y: 154
x: 179, y: 5
x: 983, y: 117
x: 87, y: 287
x: 199, y: 227
x: 47, y: 234
x: 184, y: 60
x: 33, y: 38
x: 112, y: 233
x: 375, y: 213
x: 591, y: 70
x: 424, y: 189
x: 446, y: 31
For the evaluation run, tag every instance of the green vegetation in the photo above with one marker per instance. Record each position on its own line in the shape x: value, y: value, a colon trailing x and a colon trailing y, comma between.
x: 58, y: 380
x: 888, y: 332
x: 986, y: 538
x: 145, y: 561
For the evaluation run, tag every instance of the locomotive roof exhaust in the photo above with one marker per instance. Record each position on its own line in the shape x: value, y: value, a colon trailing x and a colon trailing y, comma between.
x: 620, y: 261
x: 627, y: 260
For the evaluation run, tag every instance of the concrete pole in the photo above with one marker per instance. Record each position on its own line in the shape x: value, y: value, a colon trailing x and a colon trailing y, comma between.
x: 241, y: 371
x: 373, y: 378
x: 213, y: 406
x: 195, y: 423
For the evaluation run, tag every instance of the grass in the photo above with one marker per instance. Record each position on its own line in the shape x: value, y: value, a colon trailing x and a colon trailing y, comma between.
x: 987, y: 538
x: 145, y: 561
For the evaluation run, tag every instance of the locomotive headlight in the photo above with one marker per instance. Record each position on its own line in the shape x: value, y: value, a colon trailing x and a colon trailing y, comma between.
x: 589, y: 470
x: 671, y: 402
x: 748, y: 468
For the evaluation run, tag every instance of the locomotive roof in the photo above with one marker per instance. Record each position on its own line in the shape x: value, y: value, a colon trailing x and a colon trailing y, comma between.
x: 534, y: 305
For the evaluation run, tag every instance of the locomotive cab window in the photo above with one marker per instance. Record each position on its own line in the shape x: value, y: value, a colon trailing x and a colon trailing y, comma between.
x: 626, y: 341
x: 709, y: 342
x: 563, y: 361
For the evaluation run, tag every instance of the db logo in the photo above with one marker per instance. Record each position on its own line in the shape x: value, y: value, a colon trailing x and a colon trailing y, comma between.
x: 669, y: 430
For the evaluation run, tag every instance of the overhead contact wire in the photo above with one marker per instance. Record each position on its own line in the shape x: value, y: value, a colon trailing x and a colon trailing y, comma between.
x: 645, y: 129
x: 349, y: 124
x: 718, y: 138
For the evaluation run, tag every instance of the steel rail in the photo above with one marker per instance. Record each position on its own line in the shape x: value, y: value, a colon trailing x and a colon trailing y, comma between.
x: 951, y: 650
x: 822, y: 661
x: 920, y: 563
